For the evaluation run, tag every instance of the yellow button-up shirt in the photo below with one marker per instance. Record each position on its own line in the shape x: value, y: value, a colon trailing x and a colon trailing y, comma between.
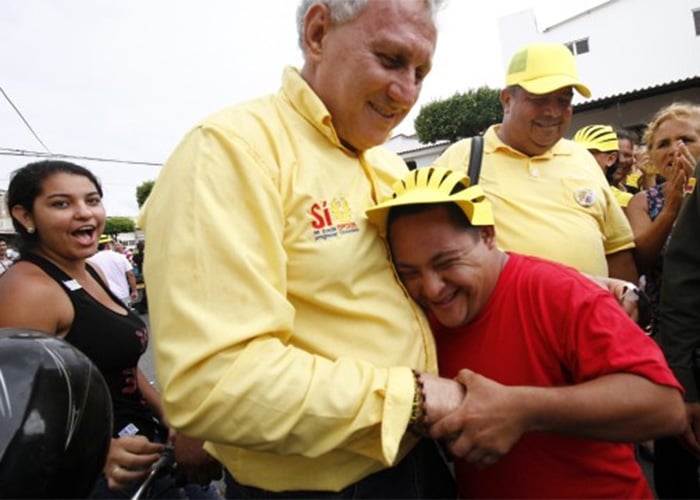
x: 282, y: 335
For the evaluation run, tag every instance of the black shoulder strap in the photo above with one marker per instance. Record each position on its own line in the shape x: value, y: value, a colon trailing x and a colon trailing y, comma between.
x: 477, y: 152
x: 47, y: 266
x: 58, y: 274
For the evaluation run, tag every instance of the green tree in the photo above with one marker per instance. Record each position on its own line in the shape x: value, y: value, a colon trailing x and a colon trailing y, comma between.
x: 142, y: 192
x: 114, y: 225
x: 460, y: 116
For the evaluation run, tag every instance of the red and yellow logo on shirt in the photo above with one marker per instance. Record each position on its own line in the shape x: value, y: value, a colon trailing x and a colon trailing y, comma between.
x: 331, y: 219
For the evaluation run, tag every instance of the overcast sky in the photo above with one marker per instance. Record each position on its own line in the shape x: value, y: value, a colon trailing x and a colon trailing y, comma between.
x: 125, y: 79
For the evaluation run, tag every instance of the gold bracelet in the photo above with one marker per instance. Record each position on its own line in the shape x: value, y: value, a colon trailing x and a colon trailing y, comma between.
x: 416, y: 423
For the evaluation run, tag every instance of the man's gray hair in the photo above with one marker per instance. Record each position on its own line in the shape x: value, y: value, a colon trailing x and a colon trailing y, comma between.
x: 342, y: 11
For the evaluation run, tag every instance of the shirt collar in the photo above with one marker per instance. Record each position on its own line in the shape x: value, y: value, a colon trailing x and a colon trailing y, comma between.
x: 493, y: 143
x: 305, y: 101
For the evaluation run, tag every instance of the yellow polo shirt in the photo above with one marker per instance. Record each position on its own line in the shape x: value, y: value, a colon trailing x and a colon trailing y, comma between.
x: 282, y: 335
x: 633, y: 179
x: 622, y: 197
x: 557, y: 206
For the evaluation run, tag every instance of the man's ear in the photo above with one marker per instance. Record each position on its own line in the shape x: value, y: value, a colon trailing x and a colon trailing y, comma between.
x: 505, y: 97
x: 317, y: 23
x: 488, y: 236
x: 23, y: 216
x: 611, y: 159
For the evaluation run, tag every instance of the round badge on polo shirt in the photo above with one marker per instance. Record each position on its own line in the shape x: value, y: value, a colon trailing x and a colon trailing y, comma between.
x: 585, y: 197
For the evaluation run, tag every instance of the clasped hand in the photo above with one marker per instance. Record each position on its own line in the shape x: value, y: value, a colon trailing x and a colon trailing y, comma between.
x: 478, y: 419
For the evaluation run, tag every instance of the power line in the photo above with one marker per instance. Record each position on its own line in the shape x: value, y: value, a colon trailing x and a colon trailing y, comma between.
x: 40, y: 154
x: 19, y: 113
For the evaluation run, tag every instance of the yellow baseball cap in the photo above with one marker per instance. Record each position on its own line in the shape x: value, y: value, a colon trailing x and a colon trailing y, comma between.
x: 435, y: 185
x: 541, y: 68
x: 105, y: 238
x: 598, y: 137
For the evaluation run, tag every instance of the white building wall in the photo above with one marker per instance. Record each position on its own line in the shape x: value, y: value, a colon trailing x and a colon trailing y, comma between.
x: 633, y: 43
x: 425, y: 157
x: 412, y: 150
x: 402, y: 142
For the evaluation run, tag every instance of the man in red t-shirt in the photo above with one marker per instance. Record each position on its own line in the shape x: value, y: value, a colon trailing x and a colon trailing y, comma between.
x: 559, y: 380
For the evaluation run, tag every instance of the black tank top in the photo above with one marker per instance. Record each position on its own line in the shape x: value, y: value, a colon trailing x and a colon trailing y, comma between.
x: 114, y: 342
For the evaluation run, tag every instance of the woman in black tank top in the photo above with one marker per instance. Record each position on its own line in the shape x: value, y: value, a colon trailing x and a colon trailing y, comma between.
x: 57, y: 210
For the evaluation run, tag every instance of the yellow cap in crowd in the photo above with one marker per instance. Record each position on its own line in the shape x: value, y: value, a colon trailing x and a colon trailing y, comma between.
x: 541, y: 68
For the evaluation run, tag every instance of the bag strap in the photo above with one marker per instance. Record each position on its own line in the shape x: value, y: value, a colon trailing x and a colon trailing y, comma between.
x: 477, y: 153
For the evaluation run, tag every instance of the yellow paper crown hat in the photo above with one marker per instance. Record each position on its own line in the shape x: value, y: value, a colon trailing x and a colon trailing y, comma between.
x: 433, y: 185
x: 598, y: 137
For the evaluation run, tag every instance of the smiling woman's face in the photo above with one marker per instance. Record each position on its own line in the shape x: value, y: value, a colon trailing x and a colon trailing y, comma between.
x: 67, y: 216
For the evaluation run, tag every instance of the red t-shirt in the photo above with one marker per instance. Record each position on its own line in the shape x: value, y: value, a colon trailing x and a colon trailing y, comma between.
x: 548, y: 325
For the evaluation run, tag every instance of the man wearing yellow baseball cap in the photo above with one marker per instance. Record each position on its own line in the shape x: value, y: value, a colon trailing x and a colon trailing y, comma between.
x: 549, y: 196
x: 544, y: 353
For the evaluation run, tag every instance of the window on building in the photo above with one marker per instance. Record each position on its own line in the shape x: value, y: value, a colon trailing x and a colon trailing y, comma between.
x: 696, y: 18
x: 578, y: 46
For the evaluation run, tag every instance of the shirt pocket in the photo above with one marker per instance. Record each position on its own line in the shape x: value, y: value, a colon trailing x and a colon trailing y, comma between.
x: 584, y: 196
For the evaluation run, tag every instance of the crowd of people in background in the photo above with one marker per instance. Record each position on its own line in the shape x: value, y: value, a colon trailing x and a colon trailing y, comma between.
x: 326, y: 324
x: 652, y: 176
x: 6, y: 259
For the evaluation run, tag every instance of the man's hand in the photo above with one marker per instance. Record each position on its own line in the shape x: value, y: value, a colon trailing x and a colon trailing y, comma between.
x: 194, y: 464
x: 691, y: 436
x: 629, y: 296
x: 442, y: 397
x: 129, y: 460
x: 487, y: 424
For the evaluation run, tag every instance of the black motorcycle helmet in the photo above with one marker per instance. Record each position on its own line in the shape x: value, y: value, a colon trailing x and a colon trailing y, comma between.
x: 55, y: 417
